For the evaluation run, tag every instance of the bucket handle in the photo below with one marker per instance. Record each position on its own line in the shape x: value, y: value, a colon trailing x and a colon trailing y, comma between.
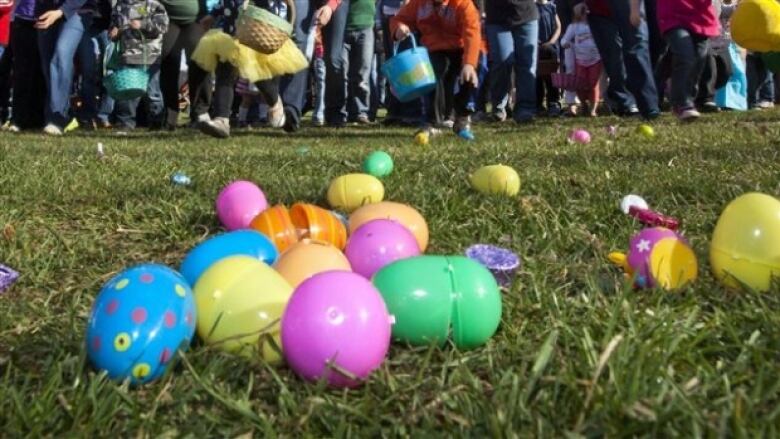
x: 397, y: 43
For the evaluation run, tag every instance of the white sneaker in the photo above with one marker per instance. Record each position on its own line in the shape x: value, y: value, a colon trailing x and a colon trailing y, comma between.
x: 52, y: 130
x: 687, y: 114
x: 276, y: 116
x: 765, y: 105
x: 218, y: 127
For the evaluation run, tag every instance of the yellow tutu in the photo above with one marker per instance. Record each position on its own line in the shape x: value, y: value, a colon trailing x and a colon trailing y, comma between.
x: 217, y: 46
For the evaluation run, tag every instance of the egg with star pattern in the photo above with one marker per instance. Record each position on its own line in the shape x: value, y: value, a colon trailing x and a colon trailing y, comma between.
x: 659, y: 257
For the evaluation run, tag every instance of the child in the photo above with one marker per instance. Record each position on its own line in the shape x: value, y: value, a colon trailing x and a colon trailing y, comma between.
x: 139, y: 26
x: 450, y: 30
x: 549, y: 32
x: 218, y: 52
x: 586, y: 58
x: 687, y: 26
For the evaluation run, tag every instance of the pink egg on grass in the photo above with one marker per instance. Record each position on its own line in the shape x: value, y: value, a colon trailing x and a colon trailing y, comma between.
x: 378, y: 243
x: 336, y: 326
x: 239, y: 203
x: 579, y: 136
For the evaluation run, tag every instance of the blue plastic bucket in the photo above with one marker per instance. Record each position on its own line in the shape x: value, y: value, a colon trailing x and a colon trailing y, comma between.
x: 410, y: 72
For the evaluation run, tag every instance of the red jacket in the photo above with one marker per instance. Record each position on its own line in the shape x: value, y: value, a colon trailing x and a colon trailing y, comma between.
x: 453, y: 25
x: 6, y: 10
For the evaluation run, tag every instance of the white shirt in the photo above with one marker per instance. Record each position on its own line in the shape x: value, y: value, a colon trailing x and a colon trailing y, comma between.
x: 585, y: 51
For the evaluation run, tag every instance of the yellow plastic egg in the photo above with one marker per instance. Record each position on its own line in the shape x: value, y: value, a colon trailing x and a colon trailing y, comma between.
x: 408, y: 216
x: 307, y: 258
x: 745, y: 247
x: 496, y: 179
x: 755, y: 25
x: 422, y: 138
x: 350, y: 191
x: 240, y: 301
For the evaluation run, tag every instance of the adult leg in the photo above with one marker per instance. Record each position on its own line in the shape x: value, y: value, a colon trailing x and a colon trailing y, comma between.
x: 29, y: 84
x: 636, y: 55
x: 200, y: 85
x: 61, y: 68
x: 335, y: 77
x: 293, y: 87
x: 682, y: 48
x: 525, y: 39
x: 6, y: 66
x: 500, y: 58
x: 766, y: 94
x: 47, y: 46
x: 318, y: 112
x: 88, y: 54
x: 705, y: 95
x: 155, y: 109
x: 359, y: 75
x: 606, y: 35
x: 170, y: 65
x: 756, y: 77
x: 106, y: 101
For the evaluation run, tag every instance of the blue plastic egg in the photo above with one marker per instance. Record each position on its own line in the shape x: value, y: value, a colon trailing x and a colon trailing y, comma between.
x: 139, y: 320
x: 239, y: 243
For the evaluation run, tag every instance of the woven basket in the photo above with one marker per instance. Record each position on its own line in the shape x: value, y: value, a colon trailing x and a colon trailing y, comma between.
x: 262, y: 30
x: 127, y: 83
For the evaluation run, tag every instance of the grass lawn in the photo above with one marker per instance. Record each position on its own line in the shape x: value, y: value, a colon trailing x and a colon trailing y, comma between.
x: 577, y: 352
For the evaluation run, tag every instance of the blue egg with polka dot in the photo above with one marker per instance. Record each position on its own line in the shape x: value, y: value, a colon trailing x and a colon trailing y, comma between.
x: 139, y: 321
x: 239, y: 243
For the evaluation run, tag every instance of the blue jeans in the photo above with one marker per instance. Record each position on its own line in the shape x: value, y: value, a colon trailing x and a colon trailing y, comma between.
x: 358, y: 53
x: 125, y: 111
x: 106, y: 107
x: 761, y: 86
x: 89, y: 54
x: 689, y: 51
x: 58, y: 45
x: 625, y: 51
x: 318, y: 111
x: 292, y: 88
x: 514, y: 47
x: 333, y: 39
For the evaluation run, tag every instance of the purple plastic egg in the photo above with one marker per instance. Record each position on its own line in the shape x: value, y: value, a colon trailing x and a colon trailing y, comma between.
x: 641, y: 247
x: 336, y: 326
x: 378, y: 243
x: 239, y: 203
x: 580, y: 136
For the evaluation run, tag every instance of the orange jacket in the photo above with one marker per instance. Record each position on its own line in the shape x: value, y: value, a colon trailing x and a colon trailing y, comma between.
x: 453, y: 25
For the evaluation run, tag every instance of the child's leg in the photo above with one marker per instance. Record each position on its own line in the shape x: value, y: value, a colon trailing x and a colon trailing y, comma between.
x: 553, y: 96
x: 359, y: 74
x: 441, y: 67
x: 224, y: 89
x: 581, y: 72
x: 688, y: 54
x: 595, y: 94
x: 269, y: 90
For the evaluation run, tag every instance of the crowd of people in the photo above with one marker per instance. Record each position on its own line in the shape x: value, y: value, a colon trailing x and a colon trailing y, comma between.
x: 494, y: 60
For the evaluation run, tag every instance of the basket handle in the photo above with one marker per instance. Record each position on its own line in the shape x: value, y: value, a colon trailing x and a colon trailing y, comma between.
x: 397, y: 43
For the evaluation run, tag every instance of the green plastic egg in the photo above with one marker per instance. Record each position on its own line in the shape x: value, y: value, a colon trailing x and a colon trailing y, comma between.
x: 433, y: 297
x: 379, y: 164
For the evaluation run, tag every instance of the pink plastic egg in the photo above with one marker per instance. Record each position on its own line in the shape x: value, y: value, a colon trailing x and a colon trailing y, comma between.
x: 580, y: 136
x: 378, y: 243
x: 336, y: 326
x: 239, y: 203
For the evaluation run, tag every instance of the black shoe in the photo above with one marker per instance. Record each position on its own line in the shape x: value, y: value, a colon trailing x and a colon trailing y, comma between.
x: 710, y: 107
x: 291, y: 121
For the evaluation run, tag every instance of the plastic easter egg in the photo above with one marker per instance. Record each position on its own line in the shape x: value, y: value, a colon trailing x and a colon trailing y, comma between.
x: 496, y: 179
x: 433, y: 297
x: 755, y: 25
x: 659, y: 257
x: 336, y: 327
x: 318, y: 224
x: 351, y: 191
x: 140, y: 319
x: 238, y: 203
x: 632, y: 200
x: 241, y: 242
x: 378, y: 243
x: 422, y: 138
x: 276, y: 223
x: 402, y: 213
x: 307, y: 258
x: 580, y: 136
x: 240, y: 300
x: 745, y: 248
x: 646, y: 130
x: 379, y: 164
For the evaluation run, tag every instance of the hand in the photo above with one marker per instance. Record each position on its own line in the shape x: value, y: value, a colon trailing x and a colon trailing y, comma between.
x: 324, y: 15
x: 113, y: 33
x: 469, y: 76
x: 635, y: 18
x: 402, y: 32
x: 48, y: 18
x: 206, y: 22
x: 135, y: 24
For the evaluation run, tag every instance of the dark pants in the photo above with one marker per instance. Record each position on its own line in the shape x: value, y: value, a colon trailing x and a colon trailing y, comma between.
x: 625, y: 53
x: 293, y: 87
x: 183, y: 37
x: 6, y: 67
x: 28, y: 82
x: 707, y: 80
x: 545, y: 89
x: 689, y: 52
x: 447, y: 65
x: 335, y: 66
x: 760, y: 81
x: 224, y: 89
